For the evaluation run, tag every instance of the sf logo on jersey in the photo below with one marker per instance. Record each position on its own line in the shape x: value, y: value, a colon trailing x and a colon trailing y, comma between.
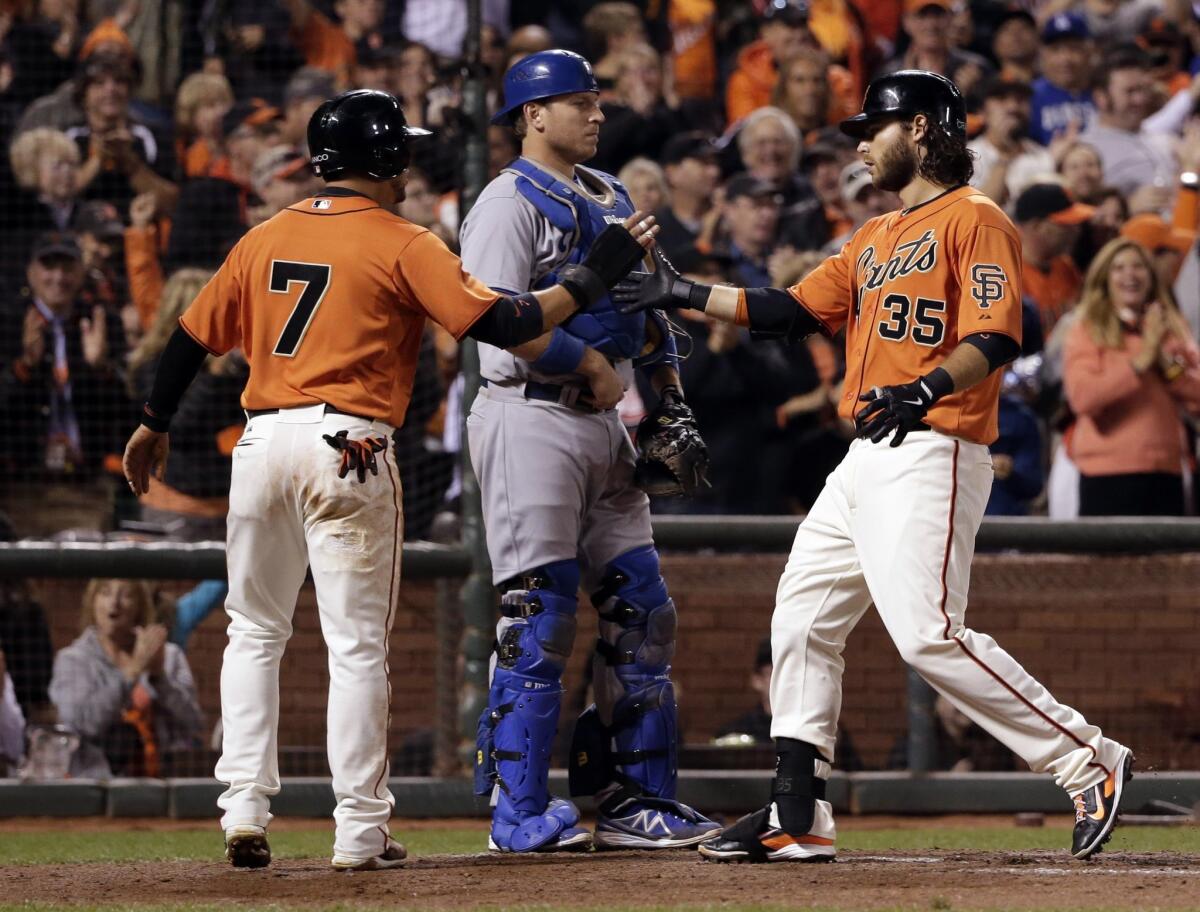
x: 987, y: 284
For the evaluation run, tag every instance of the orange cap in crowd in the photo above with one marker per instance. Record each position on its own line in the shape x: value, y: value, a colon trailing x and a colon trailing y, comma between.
x: 1153, y: 233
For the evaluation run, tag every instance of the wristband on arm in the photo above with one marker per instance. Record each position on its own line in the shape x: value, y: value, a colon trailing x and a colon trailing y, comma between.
x: 563, y: 354
x: 177, y: 368
x: 998, y: 348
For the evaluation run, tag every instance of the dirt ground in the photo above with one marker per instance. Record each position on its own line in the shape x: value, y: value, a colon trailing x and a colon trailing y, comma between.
x: 857, y: 881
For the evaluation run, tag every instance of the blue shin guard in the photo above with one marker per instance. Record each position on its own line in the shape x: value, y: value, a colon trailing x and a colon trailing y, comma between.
x: 516, y: 731
x: 625, y: 746
x: 635, y: 701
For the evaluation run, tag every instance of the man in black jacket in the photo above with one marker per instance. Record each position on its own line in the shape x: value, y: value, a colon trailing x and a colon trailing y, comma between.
x: 60, y: 396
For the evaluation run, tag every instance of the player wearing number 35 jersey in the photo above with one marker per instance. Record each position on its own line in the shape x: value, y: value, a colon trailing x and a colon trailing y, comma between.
x: 328, y: 300
x: 930, y: 300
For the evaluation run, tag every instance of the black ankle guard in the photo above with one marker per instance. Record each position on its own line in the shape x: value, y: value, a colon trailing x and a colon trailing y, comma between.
x: 796, y: 788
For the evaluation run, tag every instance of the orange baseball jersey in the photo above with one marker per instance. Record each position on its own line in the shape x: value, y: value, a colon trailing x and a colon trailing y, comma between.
x: 908, y: 286
x: 328, y: 300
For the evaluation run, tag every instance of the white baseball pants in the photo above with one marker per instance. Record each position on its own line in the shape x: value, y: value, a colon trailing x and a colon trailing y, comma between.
x: 896, y: 527
x: 287, y: 510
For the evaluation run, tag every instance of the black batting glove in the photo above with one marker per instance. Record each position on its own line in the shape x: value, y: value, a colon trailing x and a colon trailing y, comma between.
x: 613, y: 253
x: 357, y: 455
x: 664, y: 288
x: 900, y: 408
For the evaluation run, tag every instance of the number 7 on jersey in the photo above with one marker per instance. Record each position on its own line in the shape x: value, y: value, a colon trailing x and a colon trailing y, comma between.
x: 314, y: 277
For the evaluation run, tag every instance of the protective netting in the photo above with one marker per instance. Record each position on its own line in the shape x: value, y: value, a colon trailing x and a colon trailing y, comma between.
x: 1117, y: 637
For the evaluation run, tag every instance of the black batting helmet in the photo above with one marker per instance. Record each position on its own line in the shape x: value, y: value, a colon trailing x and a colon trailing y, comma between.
x: 906, y: 93
x: 360, y: 133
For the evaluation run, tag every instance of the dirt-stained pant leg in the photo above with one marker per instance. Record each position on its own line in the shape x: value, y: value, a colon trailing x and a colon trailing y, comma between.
x: 354, y: 534
x: 267, y: 558
x: 287, y: 505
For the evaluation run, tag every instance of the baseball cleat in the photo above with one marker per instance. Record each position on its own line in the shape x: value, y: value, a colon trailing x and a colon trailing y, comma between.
x: 756, y: 838
x: 641, y: 822
x: 1097, y: 809
x: 246, y: 846
x: 391, y: 857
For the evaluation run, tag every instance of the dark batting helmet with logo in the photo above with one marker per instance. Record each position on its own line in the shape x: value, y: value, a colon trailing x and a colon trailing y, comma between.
x: 906, y: 93
x: 543, y: 75
x: 361, y: 133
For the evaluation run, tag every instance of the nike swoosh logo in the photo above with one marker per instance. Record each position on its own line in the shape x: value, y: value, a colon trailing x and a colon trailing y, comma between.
x: 1099, y: 815
x: 912, y: 401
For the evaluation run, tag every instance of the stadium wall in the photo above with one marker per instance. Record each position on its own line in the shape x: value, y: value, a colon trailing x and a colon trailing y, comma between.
x: 1118, y: 637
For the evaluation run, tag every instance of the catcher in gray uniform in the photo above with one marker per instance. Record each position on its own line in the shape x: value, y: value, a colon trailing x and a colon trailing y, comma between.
x: 561, y: 506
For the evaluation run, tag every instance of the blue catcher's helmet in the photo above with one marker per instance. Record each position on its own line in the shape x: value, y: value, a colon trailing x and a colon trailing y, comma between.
x: 543, y: 75
x: 361, y: 132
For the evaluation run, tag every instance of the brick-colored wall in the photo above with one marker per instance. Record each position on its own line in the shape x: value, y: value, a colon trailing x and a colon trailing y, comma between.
x: 1117, y: 637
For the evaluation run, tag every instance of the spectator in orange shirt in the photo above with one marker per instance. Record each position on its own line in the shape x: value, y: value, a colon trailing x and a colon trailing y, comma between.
x: 202, y: 100
x: 332, y: 47
x: 1049, y: 222
x: 213, y: 211
x: 693, y: 26
x: 782, y: 33
x: 813, y: 91
x: 1131, y: 367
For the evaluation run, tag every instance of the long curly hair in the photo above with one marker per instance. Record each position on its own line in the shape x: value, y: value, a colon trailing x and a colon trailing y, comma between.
x: 947, y: 161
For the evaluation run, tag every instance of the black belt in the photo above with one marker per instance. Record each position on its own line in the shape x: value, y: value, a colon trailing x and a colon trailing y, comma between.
x: 329, y: 410
x: 554, y: 392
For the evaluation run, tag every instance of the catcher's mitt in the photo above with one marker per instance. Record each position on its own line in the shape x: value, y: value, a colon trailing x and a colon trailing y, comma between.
x: 672, y: 458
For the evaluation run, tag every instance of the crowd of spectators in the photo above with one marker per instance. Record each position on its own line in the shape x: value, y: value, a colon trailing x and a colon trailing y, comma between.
x: 142, y: 139
x: 145, y: 138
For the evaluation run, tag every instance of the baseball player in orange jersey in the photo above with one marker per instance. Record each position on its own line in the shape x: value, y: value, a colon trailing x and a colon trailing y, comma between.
x: 328, y: 300
x: 930, y: 299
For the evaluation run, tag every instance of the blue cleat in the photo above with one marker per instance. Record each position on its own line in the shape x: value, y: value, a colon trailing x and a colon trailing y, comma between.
x: 642, y: 822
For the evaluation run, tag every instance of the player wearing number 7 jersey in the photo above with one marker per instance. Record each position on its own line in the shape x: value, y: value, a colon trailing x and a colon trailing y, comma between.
x: 328, y: 300
x: 930, y: 300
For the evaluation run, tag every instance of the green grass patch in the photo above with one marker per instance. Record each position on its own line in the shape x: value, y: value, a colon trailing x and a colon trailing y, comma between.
x: 204, y: 844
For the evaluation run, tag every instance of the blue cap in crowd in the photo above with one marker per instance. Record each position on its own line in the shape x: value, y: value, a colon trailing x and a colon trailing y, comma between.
x: 1063, y: 26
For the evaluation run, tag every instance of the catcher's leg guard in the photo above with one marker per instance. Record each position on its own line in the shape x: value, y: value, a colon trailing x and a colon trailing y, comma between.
x: 516, y: 731
x: 635, y: 700
x: 624, y: 748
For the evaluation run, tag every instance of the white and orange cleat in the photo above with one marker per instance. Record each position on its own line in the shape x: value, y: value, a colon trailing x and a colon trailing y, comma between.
x: 758, y: 838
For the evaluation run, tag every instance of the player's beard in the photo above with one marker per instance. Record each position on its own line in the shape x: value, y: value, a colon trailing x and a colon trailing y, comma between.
x: 896, y: 168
